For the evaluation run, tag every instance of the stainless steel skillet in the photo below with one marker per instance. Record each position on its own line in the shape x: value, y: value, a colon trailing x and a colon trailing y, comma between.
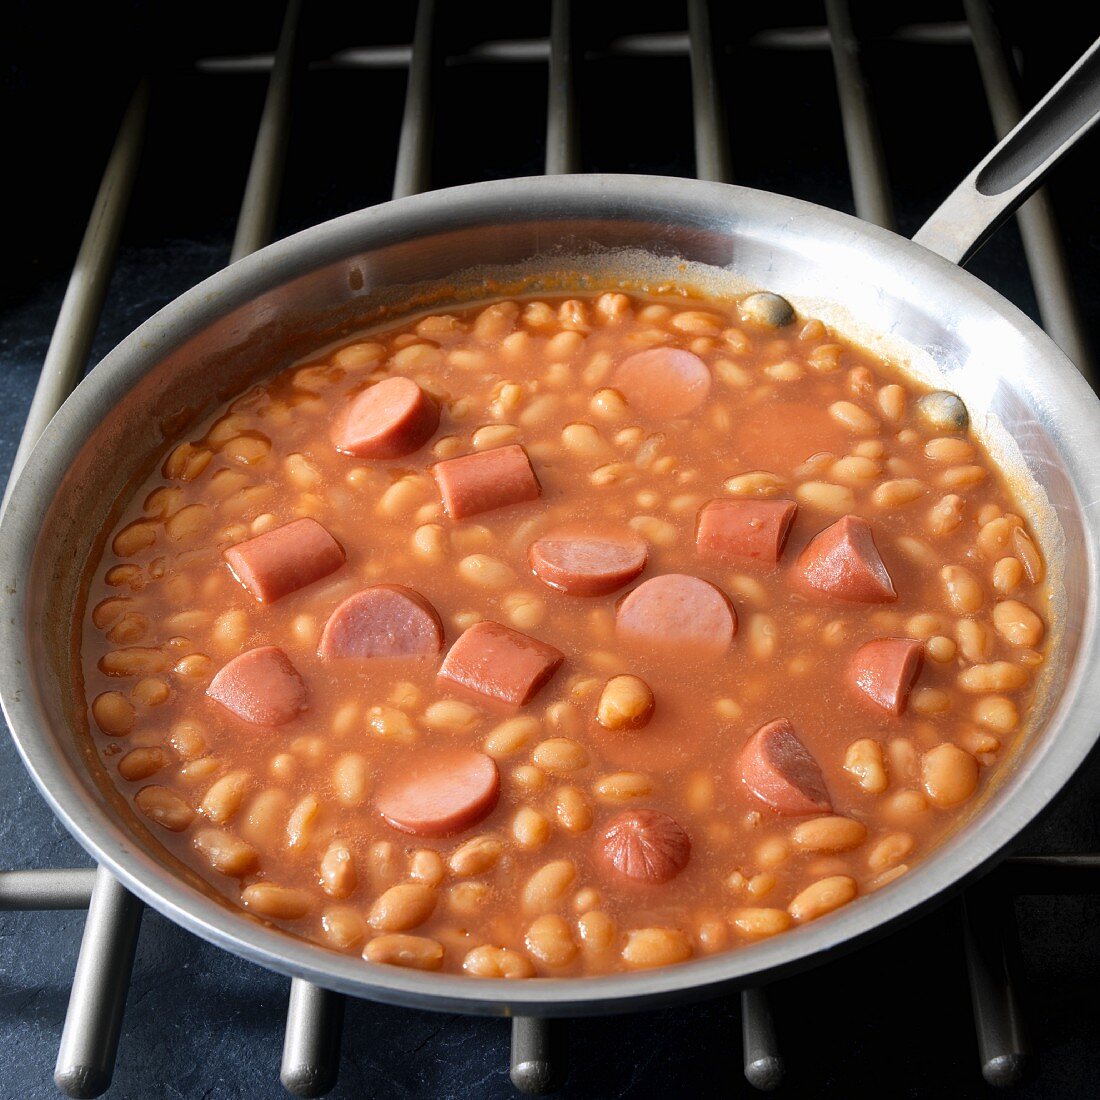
x: 1023, y: 394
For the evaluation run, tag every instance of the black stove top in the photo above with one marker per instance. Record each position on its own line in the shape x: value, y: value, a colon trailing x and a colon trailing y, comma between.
x: 890, y: 1019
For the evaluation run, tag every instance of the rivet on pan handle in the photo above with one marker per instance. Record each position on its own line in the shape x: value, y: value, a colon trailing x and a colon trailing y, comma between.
x: 1017, y: 164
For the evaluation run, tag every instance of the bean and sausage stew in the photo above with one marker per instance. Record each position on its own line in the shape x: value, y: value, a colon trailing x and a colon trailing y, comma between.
x: 565, y: 636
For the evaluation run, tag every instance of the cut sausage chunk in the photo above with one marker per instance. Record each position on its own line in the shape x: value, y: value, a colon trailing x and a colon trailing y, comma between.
x: 843, y: 562
x: 489, y: 479
x: 260, y: 686
x: 393, y: 418
x: 284, y: 559
x: 886, y: 669
x: 663, y: 382
x: 744, y: 530
x: 675, y: 611
x: 585, y: 560
x: 440, y: 792
x: 779, y: 770
x: 500, y: 663
x: 385, y: 620
x: 644, y: 845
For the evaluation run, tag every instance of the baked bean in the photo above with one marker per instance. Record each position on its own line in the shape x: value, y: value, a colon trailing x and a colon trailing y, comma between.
x: 852, y: 417
x: 949, y: 774
x: 758, y: 924
x: 402, y: 907
x: 649, y: 947
x: 276, y: 902
x: 530, y: 828
x: 1017, y: 623
x: 572, y: 810
x: 476, y: 856
x: 411, y: 952
x: 621, y: 787
x: 343, y: 927
x: 350, y: 778
x: 994, y: 676
x: 545, y: 888
x: 451, y: 716
x: 897, y: 493
x: 391, y: 724
x: 996, y: 713
x: 757, y: 483
x: 829, y: 834
x: 975, y: 640
x: 134, y: 661
x: 338, y: 877
x: 497, y: 962
x: 226, y: 853
x: 141, y: 763
x: 524, y: 610
x: 864, y: 761
x: 964, y: 592
x: 560, y: 755
x: 529, y: 777
x: 265, y: 822
x: 626, y: 702
x: 597, y: 932
x: 833, y: 499
x: 223, y: 799
x: 113, y: 713
x: 822, y: 897
x: 550, y: 939
x: 164, y: 807
x: 889, y: 851
x: 511, y: 735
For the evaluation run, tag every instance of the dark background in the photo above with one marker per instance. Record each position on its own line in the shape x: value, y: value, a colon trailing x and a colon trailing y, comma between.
x: 892, y: 1019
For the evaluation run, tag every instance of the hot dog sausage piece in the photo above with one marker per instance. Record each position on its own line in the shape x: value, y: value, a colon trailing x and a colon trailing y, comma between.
x: 885, y: 670
x: 645, y: 846
x: 663, y: 382
x: 284, y: 559
x: 587, y: 561
x: 843, y: 562
x: 391, y: 419
x: 499, y: 663
x: 261, y: 686
x: 385, y: 620
x: 676, y: 611
x: 780, y: 771
x: 439, y: 792
x: 480, y: 482
x: 744, y: 530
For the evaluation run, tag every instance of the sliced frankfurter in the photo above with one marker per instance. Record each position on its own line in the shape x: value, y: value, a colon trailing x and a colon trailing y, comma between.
x: 499, y: 663
x: 843, y: 562
x: 261, y: 686
x: 645, y: 846
x: 385, y: 620
x: 439, y: 792
x: 780, y: 771
x: 486, y: 480
x: 663, y: 382
x: 587, y: 559
x: 885, y: 670
x: 676, y: 611
x: 744, y: 530
x: 284, y: 559
x: 391, y: 419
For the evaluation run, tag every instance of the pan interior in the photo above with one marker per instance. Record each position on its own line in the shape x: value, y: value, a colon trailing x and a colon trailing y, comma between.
x: 423, y: 253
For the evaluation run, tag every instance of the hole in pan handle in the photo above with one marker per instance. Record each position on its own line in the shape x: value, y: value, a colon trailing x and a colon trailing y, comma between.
x: 1017, y: 164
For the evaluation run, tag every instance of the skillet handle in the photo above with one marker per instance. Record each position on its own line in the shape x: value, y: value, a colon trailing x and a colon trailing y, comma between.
x: 1016, y: 166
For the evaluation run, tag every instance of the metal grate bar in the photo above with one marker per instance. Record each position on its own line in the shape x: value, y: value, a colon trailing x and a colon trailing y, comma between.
x: 535, y: 1067
x: 562, y: 145
x: 256, y: 221
x: 866, y: 162
x: 712, y: 151
x: 413, y: 173
x: 987, y: 928
x: 311, y: 1047
x: 763, y: 1063
x: 93, y: 1019
x: 65, y: 888
x: 1046, y: 257
x: 76, y: 322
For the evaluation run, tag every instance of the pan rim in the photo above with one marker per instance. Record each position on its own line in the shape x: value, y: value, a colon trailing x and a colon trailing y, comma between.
x: 107, y: 840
